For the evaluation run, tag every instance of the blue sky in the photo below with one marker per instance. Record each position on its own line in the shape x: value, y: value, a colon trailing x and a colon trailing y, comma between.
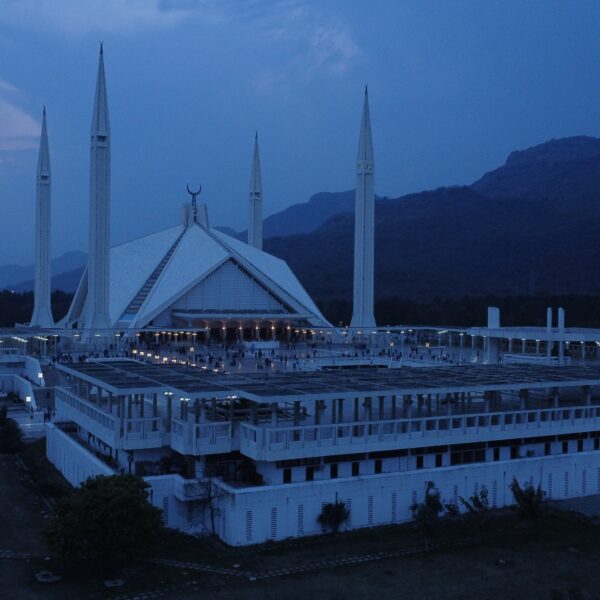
x: 455, y: 85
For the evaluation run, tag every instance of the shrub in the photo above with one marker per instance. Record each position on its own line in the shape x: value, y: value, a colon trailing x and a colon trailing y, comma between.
x: 333, y: 515
x: 104, y: 524
x: 528, y: 499
x: 478, y: 503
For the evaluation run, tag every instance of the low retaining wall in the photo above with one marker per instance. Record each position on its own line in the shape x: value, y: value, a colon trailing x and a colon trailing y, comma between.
x: 73, y: 460
x: 256, y: 515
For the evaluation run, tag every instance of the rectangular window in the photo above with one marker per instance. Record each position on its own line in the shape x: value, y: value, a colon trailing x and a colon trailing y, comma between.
x: 438, y: 460
x: 496, y: 454
x: 514, y: 452
x: 547, y: 449
x: 597, y: 444
x: 287, y: 476
x: 455, y: 458
x: 565, y: 447
x: 355, y: 469
x: 310, y: 473
x: 579, y: 445
x: 333, y: 471
x: 419, y: 462
x: 378, y: 466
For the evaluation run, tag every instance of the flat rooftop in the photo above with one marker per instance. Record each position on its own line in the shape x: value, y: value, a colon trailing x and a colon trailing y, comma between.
x: 129, y: 376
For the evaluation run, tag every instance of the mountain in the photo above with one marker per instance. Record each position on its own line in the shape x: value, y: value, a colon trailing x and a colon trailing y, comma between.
x: 563, y: 169
x: 17, y: 276
x: 306, y: 216
x: 531, y: 225
x: 67, y: 282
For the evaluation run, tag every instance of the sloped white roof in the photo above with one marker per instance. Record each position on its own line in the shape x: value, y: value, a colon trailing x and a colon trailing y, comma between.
x: 197, y: 253
x: 132, y: 263
x: 273, y: 268
x: 196, y: 256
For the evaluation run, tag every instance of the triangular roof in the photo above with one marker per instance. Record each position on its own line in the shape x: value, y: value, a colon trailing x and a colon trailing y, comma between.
x: 151, y: 273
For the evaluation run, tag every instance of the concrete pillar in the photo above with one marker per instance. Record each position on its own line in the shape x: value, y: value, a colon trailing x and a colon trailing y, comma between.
x: 510, y: 345
x: 586, y: 394
x: 340, y: 410
x: 296, y: 412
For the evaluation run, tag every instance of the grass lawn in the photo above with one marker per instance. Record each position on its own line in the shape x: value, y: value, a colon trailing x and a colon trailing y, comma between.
x: 555, y: 558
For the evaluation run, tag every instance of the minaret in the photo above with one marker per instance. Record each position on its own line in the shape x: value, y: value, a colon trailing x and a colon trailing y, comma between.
x: 255, y: 224
x: 99, y: 257
x: 362, y: 309
x: 42, y: 312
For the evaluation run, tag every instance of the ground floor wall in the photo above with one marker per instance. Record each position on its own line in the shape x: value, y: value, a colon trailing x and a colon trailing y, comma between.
x: 256, y: 515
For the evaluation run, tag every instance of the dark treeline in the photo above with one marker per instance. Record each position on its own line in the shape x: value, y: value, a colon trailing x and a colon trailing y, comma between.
x: 581, y: 310
x: 18, y: 307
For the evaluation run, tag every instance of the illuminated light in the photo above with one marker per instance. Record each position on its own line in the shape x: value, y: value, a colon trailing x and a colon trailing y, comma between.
x: 191, y: 350
x: 27, y: 399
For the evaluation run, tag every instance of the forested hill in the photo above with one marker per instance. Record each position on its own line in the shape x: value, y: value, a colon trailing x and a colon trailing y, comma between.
x: 532, y: 225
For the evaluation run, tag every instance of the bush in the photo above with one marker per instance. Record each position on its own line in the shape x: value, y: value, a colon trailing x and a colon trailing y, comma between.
x: 478, y: 503
x: 528, y: 499
x: 104, y: 524
x: 333, y: 516
x: 11, y: 438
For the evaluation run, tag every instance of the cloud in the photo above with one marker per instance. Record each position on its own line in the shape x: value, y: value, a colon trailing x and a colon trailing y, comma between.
x: 18, y: 129
x: 80, y: 17
x: 308, y: 37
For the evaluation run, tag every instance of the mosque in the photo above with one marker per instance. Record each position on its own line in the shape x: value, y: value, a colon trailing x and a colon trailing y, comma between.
x: 259, y: 454
x: 190, y: 276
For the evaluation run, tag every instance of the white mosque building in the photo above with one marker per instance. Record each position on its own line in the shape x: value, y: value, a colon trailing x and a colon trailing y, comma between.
x: 253, y: 457
x: 192, y: 275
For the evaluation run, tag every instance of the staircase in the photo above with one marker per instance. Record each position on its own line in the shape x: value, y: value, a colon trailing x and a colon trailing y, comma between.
x: 140, y: 297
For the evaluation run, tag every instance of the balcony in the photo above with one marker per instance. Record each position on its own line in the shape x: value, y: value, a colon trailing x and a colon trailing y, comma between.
x: 268, y: 443
x: 188, y: 437
x: 128, y: 433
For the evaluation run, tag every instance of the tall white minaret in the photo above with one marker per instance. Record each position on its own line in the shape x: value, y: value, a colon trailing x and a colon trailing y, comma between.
x: 364, y: 217
x: 99, y: 254
x: 255, y: 224
x: 42, y: 311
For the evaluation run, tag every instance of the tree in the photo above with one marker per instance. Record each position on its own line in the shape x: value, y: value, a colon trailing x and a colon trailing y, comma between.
x: 11, y: 439
x: 528, y: 499
x: 427, y: 513
x: 333, y: 515
x: 104, y: 524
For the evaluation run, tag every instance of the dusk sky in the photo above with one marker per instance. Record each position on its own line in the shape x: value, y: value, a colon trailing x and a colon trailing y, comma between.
x: 454, y: 86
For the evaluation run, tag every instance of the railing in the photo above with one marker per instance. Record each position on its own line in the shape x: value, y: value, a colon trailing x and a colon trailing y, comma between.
x: 142, y: 432
x: 188, y: 437
x: 134, y: 434
x: 273, y: 443
x: 88, y: 416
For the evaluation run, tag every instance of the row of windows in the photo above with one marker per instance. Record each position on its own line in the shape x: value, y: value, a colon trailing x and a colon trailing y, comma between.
x: 463, y: 457
x: 333, y: 471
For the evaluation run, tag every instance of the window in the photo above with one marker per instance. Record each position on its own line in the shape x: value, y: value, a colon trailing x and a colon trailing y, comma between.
x: 514, y: 451
x: 579, y: 445
x: 496, y: 454
x: 378, y: 466
x: 597, y: 444
x: 419, y: 462
x: 547, y: 449
x: 438, y: 460
x: 565, y: 447
x: 333, y: 471
x: 287, y: 476
x: 355, y: 469
x: 310, y: 473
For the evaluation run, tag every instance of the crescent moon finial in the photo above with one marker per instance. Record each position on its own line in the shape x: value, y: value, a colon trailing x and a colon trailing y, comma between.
x: 191, y: 193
